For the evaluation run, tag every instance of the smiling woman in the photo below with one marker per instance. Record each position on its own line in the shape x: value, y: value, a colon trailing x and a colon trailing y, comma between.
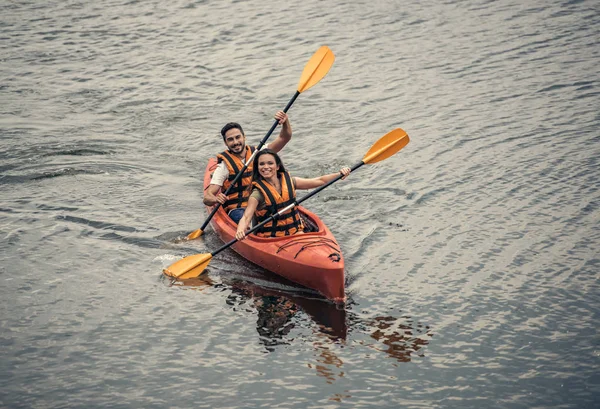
x: 274, y: 189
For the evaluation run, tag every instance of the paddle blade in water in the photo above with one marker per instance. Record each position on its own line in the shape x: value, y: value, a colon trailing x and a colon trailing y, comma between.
x: 386, y: 146
x: 316, y: 68
x: 194, y: 272
x: 194, y: 235
x: 188, y: 267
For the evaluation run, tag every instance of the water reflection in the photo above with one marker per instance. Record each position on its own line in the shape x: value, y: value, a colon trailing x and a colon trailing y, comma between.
x: 400, y: 338
x: 276, y: 301
x: 197, y: 283
x: 329, y: 364
x: 278, y: 304
x: 275, y: 313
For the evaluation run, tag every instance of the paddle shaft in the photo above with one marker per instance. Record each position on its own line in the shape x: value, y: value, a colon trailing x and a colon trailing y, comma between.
x: 285, y: 209
x: 241, y: 172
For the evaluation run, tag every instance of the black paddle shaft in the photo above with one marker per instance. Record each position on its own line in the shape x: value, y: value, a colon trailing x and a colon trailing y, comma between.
x: 296, y: 203
x: 241, y: 172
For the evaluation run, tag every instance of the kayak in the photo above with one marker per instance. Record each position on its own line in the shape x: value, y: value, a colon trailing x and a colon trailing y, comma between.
x: 312, y: 259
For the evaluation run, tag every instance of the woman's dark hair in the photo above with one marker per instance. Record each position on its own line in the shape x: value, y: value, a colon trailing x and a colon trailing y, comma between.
x: 255, y: 173
x: 229, y: 126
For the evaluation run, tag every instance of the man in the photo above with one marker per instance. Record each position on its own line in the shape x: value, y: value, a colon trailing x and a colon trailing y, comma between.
x: 233, y: 160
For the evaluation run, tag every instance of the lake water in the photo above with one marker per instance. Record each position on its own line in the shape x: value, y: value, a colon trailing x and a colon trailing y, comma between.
x: 472, y: 255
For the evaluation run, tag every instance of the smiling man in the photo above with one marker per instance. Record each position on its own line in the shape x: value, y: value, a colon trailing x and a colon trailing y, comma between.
x: 233, y: 160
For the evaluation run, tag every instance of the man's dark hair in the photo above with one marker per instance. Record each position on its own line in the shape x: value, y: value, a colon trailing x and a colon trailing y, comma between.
x: 229, y: 126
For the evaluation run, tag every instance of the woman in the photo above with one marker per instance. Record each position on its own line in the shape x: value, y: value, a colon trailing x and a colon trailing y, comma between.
x: 273, y: 189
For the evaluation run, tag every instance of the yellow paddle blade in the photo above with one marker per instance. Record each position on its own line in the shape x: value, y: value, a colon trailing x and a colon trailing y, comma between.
x: 194, y: 272
x: 188, y: 267
x: 316, y: 68
x: 194, y: 235
x: 386, y: 146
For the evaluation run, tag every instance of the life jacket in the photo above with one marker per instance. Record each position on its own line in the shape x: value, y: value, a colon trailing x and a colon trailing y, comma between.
x: 238, y: 194
x: 289, y: 222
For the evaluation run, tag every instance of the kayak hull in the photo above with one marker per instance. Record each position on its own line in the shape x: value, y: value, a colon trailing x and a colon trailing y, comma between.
x: 313, y: 260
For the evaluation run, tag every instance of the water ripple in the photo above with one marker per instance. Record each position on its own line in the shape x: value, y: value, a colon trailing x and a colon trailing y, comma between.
x: 470, y: 255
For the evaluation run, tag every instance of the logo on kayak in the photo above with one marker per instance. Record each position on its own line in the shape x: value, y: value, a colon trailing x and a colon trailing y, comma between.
x: 335, y: 257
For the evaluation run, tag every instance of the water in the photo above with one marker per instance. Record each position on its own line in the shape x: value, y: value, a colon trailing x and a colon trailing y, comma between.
x: 472, y: 254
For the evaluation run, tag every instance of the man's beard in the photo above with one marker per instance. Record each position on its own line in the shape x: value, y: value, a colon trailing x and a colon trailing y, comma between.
x: 238, y: 148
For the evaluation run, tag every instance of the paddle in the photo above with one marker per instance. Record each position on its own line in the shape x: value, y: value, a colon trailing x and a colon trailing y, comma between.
x: 314, y: 70
x: 193, y: 266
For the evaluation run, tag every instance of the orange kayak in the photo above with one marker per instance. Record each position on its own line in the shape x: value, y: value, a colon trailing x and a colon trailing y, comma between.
x: 312, y: 259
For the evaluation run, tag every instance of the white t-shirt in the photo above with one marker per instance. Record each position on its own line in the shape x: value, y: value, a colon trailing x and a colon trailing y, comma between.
x: 221, y: 173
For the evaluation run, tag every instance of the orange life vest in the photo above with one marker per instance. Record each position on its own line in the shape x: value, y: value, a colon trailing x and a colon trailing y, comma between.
x: 289, y: 222
x: 239, y: 193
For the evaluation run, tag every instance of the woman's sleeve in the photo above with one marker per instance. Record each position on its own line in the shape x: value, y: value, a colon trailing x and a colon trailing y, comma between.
x: 259, y: 197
